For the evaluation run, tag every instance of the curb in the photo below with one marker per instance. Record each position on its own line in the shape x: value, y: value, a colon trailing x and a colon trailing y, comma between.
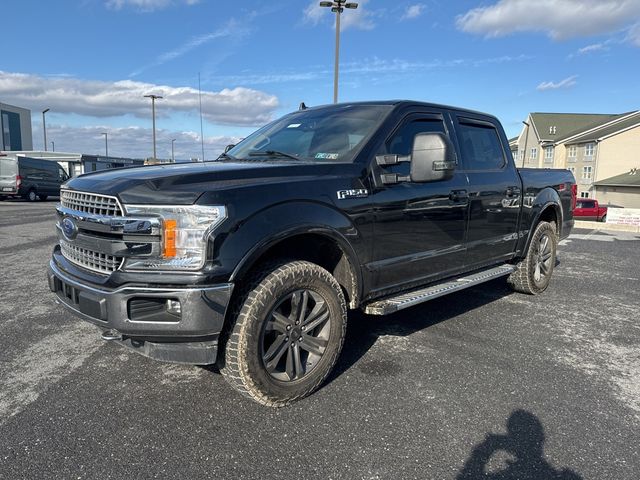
x: 606, y: 226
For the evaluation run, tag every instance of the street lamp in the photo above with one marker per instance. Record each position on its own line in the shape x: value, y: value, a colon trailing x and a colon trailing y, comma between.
x: 44, y: 127
x: 173, y: 158
x: 337, y: 7
x: 106, y: 145
x: 526, y: 137
x: 153, y: 113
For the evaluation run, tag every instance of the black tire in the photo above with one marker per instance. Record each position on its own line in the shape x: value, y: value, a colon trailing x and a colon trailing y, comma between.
x: 603, y: 219
x: 43, y: 198
x: 533, y: 272
x: 31, y: 195
x: 277, y: 358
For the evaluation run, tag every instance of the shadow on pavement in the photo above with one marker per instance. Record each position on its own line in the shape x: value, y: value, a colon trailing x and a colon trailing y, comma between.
x: 516, y: 455
x: 363, y: 330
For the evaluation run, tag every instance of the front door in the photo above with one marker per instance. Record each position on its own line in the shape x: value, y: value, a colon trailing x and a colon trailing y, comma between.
x: 419, y: 228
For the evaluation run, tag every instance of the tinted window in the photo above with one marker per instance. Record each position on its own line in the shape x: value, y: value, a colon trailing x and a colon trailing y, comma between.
x: 480, y: 146
x: 586, y: 204
x: 401, y: 142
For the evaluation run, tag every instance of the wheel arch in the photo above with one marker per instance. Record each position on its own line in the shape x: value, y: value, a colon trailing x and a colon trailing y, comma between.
x: 546, y: 207
x: 321, y: 245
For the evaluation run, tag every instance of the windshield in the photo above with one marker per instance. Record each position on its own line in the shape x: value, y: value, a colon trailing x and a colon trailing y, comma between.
x: 333, y: 134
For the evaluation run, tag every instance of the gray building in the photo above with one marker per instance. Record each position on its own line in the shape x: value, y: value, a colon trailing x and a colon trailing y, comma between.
x: 15, y: 128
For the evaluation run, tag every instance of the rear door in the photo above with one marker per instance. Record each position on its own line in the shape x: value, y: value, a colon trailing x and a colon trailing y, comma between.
x: 419, y: 230
x: 495, y: 190
x: 8, y: 174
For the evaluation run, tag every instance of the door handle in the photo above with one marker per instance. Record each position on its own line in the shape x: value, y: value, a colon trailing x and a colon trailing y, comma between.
x: 459, y: 196
x: 512, y: 191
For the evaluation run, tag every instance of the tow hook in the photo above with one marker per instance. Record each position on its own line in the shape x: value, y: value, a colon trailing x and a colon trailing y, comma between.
x: 110, y: 335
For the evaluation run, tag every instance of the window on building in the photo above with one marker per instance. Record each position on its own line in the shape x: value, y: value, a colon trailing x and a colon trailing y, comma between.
x: 534, y: 153
x: 589, y: 149
x: 587, y: 172
x: 572, y: 170
x: 573, y: 151
x: 548, y: 154
x: 584, y: 194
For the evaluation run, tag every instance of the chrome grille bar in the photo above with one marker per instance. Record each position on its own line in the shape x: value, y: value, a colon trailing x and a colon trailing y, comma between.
x: 96, y: 261
x: 94, y: 204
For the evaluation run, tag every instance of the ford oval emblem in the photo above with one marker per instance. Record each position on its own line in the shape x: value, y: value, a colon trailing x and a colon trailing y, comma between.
x: 69, y: 228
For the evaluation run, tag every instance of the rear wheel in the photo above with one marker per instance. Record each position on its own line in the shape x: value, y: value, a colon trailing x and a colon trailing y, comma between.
x: 286, y: 334
x: 533, y: 272
x: 603, y: 219
x: 31, y: 195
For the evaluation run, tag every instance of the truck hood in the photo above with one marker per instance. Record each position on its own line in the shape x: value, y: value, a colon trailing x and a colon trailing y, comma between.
x: 184, y: 183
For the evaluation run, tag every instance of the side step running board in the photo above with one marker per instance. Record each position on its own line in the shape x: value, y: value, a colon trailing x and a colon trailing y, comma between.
x: 405, y: 300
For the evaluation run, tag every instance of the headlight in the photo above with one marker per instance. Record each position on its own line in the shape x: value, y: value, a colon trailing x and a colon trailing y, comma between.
x: 185, y: 231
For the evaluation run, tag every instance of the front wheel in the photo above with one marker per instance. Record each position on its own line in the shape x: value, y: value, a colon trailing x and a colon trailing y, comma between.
x: 533, y: 272
x: 286, y: 334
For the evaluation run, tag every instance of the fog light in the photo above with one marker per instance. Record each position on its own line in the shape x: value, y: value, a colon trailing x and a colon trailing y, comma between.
x: 173, y: 306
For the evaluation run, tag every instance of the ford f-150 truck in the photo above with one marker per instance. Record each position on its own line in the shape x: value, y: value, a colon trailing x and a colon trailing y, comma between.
x: 253, y: 261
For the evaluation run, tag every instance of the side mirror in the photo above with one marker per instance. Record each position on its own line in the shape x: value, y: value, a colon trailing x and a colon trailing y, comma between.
x: 432, y: 158
x: 228, y: 147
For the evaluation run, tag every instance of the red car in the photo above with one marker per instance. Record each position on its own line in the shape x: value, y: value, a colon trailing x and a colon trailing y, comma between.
x: 590, y: 209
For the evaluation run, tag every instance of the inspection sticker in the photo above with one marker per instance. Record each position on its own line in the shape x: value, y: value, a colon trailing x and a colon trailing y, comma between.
x: 328, y: 156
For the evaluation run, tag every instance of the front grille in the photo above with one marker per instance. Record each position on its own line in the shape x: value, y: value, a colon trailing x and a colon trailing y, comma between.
x: 90, y: 203
x: 96, y: 261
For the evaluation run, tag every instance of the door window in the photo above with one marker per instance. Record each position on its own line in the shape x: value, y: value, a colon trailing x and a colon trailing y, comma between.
x: 480, y: 146
x: 401, y: 142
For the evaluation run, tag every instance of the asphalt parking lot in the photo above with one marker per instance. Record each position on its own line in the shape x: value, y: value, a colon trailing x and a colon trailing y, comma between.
x: 481, y: 384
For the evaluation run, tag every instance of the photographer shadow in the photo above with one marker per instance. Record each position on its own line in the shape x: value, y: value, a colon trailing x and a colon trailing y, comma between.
x: 523, y: 447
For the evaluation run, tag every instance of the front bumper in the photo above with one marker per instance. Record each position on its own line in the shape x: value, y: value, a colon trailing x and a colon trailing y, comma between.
x: 190, y: 337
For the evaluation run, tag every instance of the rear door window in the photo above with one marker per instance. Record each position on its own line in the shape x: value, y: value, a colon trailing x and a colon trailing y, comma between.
x: 8, y: 167
x: 480, y: 146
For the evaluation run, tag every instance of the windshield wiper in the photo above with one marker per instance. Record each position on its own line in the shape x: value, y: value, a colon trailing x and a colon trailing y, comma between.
x: 226, y: 155
x: 273, y: 153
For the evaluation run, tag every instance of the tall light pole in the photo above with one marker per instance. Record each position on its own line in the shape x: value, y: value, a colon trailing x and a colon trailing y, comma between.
x: 153, y: 113
x: 53, y: 146
x: 44, y: 127
x: 526, y: 137
x: 173, y: 157
x: 337, y: 7
x: 106, y: 144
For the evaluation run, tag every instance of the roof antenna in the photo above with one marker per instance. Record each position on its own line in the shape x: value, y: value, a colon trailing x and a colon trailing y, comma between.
x: 302, y: 106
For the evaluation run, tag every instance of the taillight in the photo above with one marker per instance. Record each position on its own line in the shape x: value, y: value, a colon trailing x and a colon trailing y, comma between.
x: 574, y: 196
x: 18, y: 181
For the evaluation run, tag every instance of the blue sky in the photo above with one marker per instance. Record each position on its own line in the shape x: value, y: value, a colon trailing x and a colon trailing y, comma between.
x: 91, y: 62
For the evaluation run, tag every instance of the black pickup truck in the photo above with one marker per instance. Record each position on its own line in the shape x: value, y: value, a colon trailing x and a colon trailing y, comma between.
x: 252, y: 261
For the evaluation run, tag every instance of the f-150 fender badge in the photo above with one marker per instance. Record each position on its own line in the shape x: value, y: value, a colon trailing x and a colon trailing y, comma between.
x: 356, y: 193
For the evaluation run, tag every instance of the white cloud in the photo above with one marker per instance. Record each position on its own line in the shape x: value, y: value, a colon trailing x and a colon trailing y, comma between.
x: 413, y: 11
x: 236, y: 106
x: 146, y: 5
x: 560, y: 19
x: 231, y: 29
x: 132, y: 142
x: 596, y: 47
x: 565, y: 83
x: 633, y: 35
x: 361, y: 18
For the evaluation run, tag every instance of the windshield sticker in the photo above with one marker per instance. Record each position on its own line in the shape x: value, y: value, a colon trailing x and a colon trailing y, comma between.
x: 328, y: 156
x: 294, y: 125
